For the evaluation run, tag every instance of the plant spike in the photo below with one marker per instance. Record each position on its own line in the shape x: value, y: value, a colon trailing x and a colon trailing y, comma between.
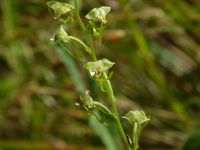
x: 98, y: 69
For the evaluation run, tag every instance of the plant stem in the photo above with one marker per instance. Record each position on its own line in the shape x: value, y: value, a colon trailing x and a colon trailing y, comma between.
x: 100, y: 34
x: 89, y: 37
x: 109, y: 88
x: 111, y: 96
x: 135, y: 136
x: 93, y: 54
x: 81, y: 43
x: 78, y: 17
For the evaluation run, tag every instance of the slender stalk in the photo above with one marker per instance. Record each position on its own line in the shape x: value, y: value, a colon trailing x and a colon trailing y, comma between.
x: 111, y: 96
x: 93, y: 54
x: 89, y: 37
x: 80, y: 42
x: 100, y: 34
x: 135, y: 137
x: 78, y: 16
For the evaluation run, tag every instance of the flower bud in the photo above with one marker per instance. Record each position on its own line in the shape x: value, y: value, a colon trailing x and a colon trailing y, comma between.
x: 87, y: 101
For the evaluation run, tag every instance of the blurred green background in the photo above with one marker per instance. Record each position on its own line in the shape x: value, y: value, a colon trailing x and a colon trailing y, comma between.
x: 156, y: 47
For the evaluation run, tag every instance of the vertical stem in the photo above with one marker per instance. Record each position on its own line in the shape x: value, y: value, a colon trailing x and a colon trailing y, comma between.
x: 78, y: 17
x: 89, y: 37
x: 135, y: 136
x: 100, y: 34
x: 92, y: 48
x: 111, y: 96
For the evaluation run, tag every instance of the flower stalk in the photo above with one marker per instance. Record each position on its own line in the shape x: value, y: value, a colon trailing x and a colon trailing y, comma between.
x: 98, y: 69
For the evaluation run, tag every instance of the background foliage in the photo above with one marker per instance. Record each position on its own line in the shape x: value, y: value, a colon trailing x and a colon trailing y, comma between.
x: 156, y: 47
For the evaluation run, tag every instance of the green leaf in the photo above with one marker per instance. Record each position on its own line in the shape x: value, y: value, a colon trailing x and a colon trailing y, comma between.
x: 99, y: 14
x: 109, y: 135
x: 59, y: 8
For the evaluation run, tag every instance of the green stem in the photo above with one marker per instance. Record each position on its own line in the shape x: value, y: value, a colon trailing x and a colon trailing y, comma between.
x: 100, y: 34
x: 89, y: 37
x: 78, y: 16
x: 135, y: 137
x: 114, y: 109
x: 93, y: 54
x: 81, y: 43
x: 108, y: 84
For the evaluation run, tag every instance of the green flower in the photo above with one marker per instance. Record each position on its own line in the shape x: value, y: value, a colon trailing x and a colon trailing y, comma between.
x: 138, y: 117
x: 59, y: 8
x: 98, y: 14
x: 98, y: 67
x: 60, y: 35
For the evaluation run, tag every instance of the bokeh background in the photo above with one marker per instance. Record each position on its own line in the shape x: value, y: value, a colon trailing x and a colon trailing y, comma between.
x: 156, y: 47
